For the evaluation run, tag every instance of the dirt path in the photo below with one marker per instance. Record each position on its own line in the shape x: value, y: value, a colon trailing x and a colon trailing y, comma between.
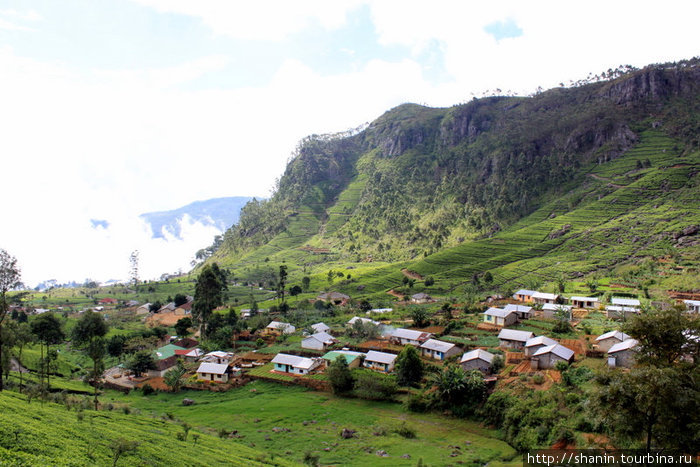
x: 412, y: 274
x: 395, y: 294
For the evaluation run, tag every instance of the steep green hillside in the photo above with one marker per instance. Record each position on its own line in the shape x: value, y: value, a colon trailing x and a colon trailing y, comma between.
x: 50, y: 434
x: 569, y: 181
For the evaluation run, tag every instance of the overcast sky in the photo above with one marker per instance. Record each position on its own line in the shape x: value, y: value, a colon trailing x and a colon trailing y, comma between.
x: 113, y: 108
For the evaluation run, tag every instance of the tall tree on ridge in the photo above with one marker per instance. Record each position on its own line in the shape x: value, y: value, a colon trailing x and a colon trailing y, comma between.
x: 9, y: 279
x: 208, y: 294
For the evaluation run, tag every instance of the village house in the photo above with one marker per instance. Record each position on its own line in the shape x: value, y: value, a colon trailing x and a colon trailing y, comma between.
x: 477, y: 359
x: 552, y: 310
x: 524, y: 295
x: 144, y: 309
x: 132, y: 303
x: 353, y: 359
x: 541, y: 298
x: 108, y: 301
x: 620, y: 312
x: 277, y: 328
x: 165, y: 359
x: 536, y: 343
x: 421, y: 297
x: 320, y: 327
x: 336, y: 298
x: 184, y: 309
x: 623, y: 354
x: 216, y: 372
x: 439, y: 350
x: 218, y: 356
x: 607, y: 340
x: 189, y: 355
x: 499, y: 317
x: 296, y: 365
x: 409, y: 336
x: 514, y: 339
x: 318, y: 341
x: 354, y: 319
x: 547, y: 357
x: 380, y: 361
x: 693, y: 306
x: 521, y: 311
x: 584, y: 302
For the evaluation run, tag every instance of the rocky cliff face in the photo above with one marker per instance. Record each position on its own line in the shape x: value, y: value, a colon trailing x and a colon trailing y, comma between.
x: 655, y: 83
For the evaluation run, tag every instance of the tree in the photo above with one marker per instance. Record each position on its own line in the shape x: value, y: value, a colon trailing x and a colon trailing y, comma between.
x: 88, y: 334
x: 420, y: 317
x: 339, y: 375
x: 174, y: 378
x: 497, y: 364
x: 657, y: 404
x: 295, y: 290
x: 305, y: 283
x: 208, y: 294
x: 488, y: 277
x: 409, y: 367
x: 457, y: 389
x: 116, y: 345
x: 141, y: 362
x: 23, y: 336
x: 663, y: 335
x: 183, y: 325
x: 180, y: 299
x: 49, y: 331
x: 9, y: 279
x: 282, y: 283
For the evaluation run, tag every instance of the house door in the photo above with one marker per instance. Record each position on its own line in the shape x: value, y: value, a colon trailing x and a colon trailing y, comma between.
x: 211, y: 377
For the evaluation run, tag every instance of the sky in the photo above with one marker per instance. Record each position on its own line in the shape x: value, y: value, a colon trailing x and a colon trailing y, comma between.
x: 113, y: 108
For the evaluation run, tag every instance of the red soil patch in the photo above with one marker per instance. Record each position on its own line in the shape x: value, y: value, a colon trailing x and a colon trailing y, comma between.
x: 166, y: 318
x: 577, y: 345
x: 155, y: 383
x: 395, y: 294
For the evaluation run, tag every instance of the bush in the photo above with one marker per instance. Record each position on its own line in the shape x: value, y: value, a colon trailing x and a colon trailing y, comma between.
x: 405, y: 431
x: 147, y: 389
x: 538, y: 379
x: 374, y: 386
x: 561, y: 366
x: 416, y: 403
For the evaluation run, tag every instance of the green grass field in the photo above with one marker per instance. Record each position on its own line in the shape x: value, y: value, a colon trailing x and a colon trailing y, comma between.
x: 50, y: 434
x: 314, y: 420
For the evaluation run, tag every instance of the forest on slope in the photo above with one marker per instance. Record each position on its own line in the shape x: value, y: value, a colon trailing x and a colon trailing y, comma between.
x: 419, y: 181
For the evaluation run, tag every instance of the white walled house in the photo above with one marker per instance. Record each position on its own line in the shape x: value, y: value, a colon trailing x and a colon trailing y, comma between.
x: 318, y: 341
x: 295, y: 365
x: 380, y: 361
x: 409, y: 336
x: 439, y: 350
x: 215, y: 372
x: 500, y: 317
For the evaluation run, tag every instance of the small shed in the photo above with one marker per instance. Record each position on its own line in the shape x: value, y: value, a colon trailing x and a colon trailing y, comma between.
x: 547, y: 357
x: 513, y: 338
x: 318, y: 341
x: 623, y: 354
x: 477, y: 359
x: 607, y: 340
x: 536, y: 343
x: 409, y: 336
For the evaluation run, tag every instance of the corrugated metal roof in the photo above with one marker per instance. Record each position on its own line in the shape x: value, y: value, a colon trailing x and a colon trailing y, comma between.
x: 477, y: 354
x: 498, y: 312
x: 584, y: 299
x: 545, y: 296
x: 557, y: 349
x: 540, y: 340
x: 624, y: 301
x: 380, y: 357
x: 410, y: 334
x: 216, y: 368
x: 624, y: 345
x: 619, y: 335
x: 518, y: 308
x: 293, y: 360
x: 515, y: 335
x: 525, y: 292
x: 434, y: 344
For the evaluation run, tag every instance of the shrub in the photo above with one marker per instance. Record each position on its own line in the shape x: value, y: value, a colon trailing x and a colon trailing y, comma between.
x: 561, y: 366
x: 538, y: 379
x: 416, y: 403
x: 405, y: 431
x: 147, y: 389
x: 374, y: 386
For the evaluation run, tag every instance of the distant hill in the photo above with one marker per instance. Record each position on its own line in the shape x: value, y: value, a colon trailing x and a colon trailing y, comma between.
x: 219, y: 212
x: 563, y: 183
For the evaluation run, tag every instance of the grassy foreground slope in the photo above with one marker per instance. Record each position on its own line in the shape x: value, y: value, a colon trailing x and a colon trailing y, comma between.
x: 49, y: 434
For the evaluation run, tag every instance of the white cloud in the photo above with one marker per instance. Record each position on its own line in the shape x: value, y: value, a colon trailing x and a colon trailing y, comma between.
x: 260, y: 20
